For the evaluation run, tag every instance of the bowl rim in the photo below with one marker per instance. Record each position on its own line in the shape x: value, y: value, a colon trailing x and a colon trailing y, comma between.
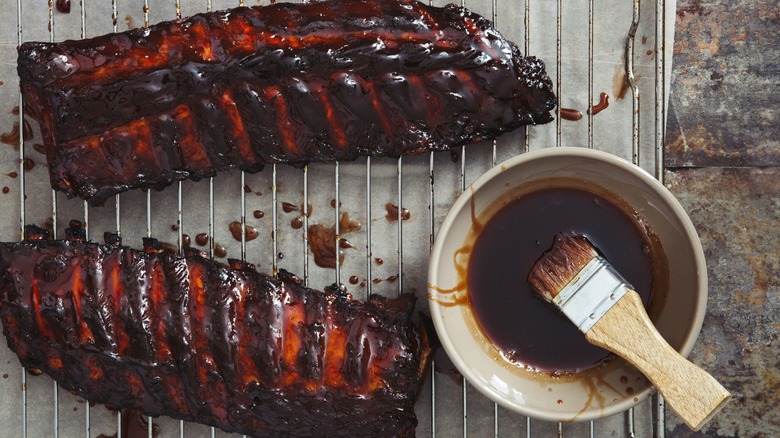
x: 570, y: 152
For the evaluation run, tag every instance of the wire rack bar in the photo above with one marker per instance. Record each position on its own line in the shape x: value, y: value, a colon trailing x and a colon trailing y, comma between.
x: 21, y: 200
x: 337, y: 233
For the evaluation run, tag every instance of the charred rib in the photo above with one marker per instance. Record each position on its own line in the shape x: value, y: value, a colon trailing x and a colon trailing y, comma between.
x: 285, y: 83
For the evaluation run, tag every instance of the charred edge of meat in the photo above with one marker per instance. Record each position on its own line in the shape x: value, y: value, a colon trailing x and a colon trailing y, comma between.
x: 285, y: 83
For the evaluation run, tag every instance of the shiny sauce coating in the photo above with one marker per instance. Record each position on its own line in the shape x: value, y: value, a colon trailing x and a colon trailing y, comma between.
x: 526, y: 329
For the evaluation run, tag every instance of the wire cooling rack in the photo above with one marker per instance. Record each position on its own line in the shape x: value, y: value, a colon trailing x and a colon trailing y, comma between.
x: 618, y: 47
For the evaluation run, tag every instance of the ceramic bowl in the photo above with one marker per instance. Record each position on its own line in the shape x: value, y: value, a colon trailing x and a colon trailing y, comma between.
x: 591, y: 394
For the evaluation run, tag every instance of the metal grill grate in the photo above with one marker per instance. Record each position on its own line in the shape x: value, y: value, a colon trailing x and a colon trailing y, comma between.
x: 579, y: 66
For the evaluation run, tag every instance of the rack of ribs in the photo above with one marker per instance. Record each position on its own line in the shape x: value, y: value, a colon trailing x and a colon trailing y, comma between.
x: 285, y: 83
x: 190, y: 338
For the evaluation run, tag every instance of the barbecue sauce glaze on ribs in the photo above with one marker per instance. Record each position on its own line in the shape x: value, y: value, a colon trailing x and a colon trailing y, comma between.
x: 196, y: 340
x: 285, y: 83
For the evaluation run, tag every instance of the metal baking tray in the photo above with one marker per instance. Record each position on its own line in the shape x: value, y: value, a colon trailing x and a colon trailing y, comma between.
x: 620, y: 47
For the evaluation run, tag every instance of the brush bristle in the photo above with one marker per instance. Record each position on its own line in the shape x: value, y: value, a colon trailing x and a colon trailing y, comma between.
x: 560, y: 264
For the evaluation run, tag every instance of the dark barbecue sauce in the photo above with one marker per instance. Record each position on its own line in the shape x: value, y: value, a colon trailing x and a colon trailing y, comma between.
x: 526, y: 329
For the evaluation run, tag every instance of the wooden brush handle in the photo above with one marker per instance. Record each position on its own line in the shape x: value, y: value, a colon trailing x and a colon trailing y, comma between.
x: 626, y: 330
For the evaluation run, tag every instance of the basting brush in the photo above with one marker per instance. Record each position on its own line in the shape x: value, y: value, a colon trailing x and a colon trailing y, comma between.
x: 593, y: 295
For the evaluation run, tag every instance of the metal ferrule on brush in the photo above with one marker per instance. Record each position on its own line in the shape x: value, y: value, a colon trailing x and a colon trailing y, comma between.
x: 591, y: 293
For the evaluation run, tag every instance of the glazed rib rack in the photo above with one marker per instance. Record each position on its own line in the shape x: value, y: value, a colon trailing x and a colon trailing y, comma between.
x: 587, y: 47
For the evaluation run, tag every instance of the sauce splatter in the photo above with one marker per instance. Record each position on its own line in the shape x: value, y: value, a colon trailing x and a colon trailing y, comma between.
x: 296, y: 223
x: 354, y: 279
x: 12, y: 137
x: 28, y: 164
x: 6, y: 190
x: 202, y: 239
x: 602, y: 105
x: 258, y: 214
x: 379, y: 261
x: 322, y: 241
x: 250, y: 232
x: 37, y: 147
x: 220, y: 251
x: 345, y: 244
x: 186, y: 240
x: 620, y: 83
x: 63, y: 6
x: 570, y: 114
x: 392, y: 213
x: 289, y: 208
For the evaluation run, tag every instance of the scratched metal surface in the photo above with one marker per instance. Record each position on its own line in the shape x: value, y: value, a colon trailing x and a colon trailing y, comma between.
x: 584, y: 57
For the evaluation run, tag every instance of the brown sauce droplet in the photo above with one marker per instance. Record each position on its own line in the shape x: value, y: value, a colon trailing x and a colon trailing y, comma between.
x: 392, y: 278
x: 258, y: 214
x: 392, y: 213
x: 376, y: 280
x: 354, y: 279
x: 15, y: 110
x: 345, y: 244
x: 63, y: 6
x: 13, y: 174
x: 602, y: 105
x: 220, y: 251
x: 247, y: 189
x: 28, y: 164
x: 250, y: 232
x: 296, y: 223
x: 501, y: 297
x: 289, y: 208
x: 560, y: 402
x: 6, y: 190
x: 629, y: 390
x: 186, y: 240
x: 174, y: 227
x: 363, y: 283
x: 570, y: 114
x: 37, y: 147
x: 379, y: 261
x: 5, y: 376
x: 280, y: 255
x: 623, y: 379
x: 12, y: 137
x: 644, y: 39
x: 202, y: 239
x: 333, y: 203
